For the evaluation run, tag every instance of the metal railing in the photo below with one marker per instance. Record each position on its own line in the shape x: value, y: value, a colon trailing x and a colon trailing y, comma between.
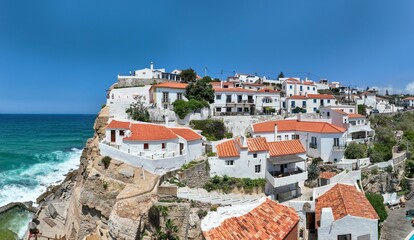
x: 313, y: 145
x: 338, y: 147
x: 278, y: 174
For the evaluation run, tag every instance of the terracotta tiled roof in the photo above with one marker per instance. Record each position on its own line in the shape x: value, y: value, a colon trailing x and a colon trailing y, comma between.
x: 339, y: 111
x: 114, y: 124
x: 295, y: 125
x: 257, y: 144
x: 282, y: 148
x: 344, y: 200
x: 227, y: 149
x: 149, y: 132
x: 353, y: 115
x: 233, y: 89
x: 266, y: 90
x: 327, y: 175
x: 176, y: 85
x: 218, y: 84
x: 269, y: 220
x: 186, y: 133
x: 409, y: 98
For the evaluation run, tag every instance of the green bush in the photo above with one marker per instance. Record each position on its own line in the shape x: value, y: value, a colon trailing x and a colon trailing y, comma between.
x: 201, y: 213
x: 211, y: 154
x: 405, y: 184
x: 182, y: 107
x: 226, y: 184
x: 409, y: 168
x: 105, y: 185
x: 229, y: 135
x: 376, y: 201
x: 355, y: 151
x: 212, y: 129
x: 106, y: 161
x: 154, y: 216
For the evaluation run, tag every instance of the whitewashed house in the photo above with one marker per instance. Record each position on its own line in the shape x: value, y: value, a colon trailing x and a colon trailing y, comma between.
x: 120, y: 99
x: 319, y: 138
x: 155, y: 147
x: 151, y: 73
x: 310, y: 102
x: 282, y: 164
x: 295, y: 86
x: 162, y: 95
x: 408, y: 102
x: 342, y: 212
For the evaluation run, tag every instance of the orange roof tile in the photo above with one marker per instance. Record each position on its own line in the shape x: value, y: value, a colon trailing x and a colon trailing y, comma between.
x: 114, y: 124
x: 269, y: 220
x: 282, y: 148
x: 150, y: 132
x: 266, y: 90
x: 186, y: 133
x: 327, y: 175
x: 353, y: 115
x: 339, y: 111
x: 409, y: 98
x: 176, y: 85
x: 257, y: 144
x: 295, y: 125
x: 344, y: 200
x: 227, y: 149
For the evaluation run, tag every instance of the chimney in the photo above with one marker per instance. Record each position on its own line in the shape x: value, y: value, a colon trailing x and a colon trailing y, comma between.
x: 275, y: 132
x: 243, y: 141
x: 299, y: 116
x: 327, y: 217
x: 221, y: 84
x: 152, y: 66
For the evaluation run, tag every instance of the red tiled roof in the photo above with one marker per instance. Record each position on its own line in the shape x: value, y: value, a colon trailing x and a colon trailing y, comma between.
x: 150, y: 132
x: 114, y: 124
x: 266, y: 90
x: 186, y: 133
x: 295, y: 125
x: 233, y: 89
x: 269, y: 220
x: 176, y: 85
x: 353, y: 115
x: 409, y: 98
x: 339, y: 111
x: 327, y: 175
x: 227, y: 149
x: 257, y: 144
x: 282, y: 148
x: 344, y: 200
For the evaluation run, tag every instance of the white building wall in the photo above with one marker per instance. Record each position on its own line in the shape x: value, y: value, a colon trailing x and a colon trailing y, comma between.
x: 172, y: 95
x: 118, y: 138
x: 244, y: 166
x: 275, y: 103
x: 194, y: 149
x: 356, y: 226
x: 154, y: 147
x: 119, y: 99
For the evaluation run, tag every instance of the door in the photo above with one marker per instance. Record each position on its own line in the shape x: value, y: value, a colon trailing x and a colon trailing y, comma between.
x: 112, y: 135
x: 181, y: 148
x: 310, y: 221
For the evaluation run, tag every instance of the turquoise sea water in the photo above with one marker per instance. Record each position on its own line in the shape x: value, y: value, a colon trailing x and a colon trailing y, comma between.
x: 35, y: 152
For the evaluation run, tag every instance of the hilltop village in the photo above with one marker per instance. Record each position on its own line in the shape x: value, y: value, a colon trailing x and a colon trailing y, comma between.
x: 179, y: 156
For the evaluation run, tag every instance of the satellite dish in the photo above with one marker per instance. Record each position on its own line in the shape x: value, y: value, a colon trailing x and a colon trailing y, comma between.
x: 306, y: 207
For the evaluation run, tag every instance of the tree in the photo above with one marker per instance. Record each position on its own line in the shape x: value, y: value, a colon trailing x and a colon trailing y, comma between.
x: 376, y: 201
x: 200, y: 90
x: 362, y: 109
x: 313, y: 172
x: 138, y: 112
x: 206, y: 79
x: 355, y: 151
x: 281, y: 75
x: 188, y: 75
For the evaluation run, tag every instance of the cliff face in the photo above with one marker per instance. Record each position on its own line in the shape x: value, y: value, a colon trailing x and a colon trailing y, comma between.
x: 107, y: 202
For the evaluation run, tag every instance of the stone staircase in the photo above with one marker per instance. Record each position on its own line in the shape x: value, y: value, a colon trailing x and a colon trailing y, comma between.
x: 201, y: 195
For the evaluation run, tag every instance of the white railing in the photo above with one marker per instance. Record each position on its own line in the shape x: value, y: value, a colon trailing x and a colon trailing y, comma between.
x: 283, y: 181
x: 358, y: 128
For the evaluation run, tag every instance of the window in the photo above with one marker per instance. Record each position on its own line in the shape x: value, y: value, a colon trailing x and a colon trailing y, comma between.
x: 267, y: 100
x: 179, y: 96
x: 314, y: 100
x: 336, y: 142
x: 279, y: 138
x: 163, y: 145
x: 239, y: 109
x: 304, y: 104
x: 292, y: 104
x: 313, y: 143
x: 228, y: 109
x: 295, y: 136
x: 218, y: 97
x: 290, y: 86
x: 165, y: 97
x: 313, y: 88
x: 218, y: 109
x: 315, y: 110
x: 351, y: 110
x: 257, y: 168
x: 254, y: 155
x: 329, y: 101
x: 229, y: 162
x: 308, y: 88
x: 246, y: 109
x: 146, y: 146
x: 300, y: 88
x: 344, y: 237
x: 228, y: 98
x: 286, y: 137
x: 226, y: 86
x: 165, y: 106
x: 121, y: 133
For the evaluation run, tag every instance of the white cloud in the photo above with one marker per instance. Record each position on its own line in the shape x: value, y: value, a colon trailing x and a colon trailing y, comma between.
x: 410, y: 87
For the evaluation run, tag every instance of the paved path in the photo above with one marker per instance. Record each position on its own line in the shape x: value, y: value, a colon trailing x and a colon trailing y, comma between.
x: 397, y: 226
x: 201, y: 195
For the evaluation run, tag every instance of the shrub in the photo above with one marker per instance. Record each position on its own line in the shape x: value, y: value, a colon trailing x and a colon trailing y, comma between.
x: 355, y: 151
x: 182, y: 107
x: 226, y: 183
x: 154, y: 216
x: 106, y: 161
x: 213, y: 208
x: 138, y: 112
x: 405, y: 184
x: 376, y: 201
x: 211, y: 154
x: 103, y: 105
x: 212, y: 129
x: 201, y: 213
x: 229, y: 135
x: 374, y: 171
x: 105, y: 185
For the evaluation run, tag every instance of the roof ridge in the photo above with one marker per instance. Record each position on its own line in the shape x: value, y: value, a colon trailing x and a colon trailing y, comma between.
x: 342, y: 198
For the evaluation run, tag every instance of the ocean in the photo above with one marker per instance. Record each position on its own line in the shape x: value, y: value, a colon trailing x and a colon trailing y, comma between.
x: 35, y: 152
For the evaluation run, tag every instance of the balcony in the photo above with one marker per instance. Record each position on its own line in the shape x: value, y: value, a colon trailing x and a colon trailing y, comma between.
x: 313, y: 145
x: 338, y: 148
x: 165, y: 100
x: 278, y: 179
x: 359, y: 128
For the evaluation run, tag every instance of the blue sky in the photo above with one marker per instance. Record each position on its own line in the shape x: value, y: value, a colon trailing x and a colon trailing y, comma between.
x: 61, y: 56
